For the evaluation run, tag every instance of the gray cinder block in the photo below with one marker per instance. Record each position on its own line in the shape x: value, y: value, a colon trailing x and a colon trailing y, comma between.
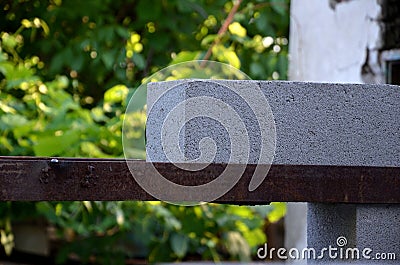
x: 326, y: 223
x: 378, y: 228
x: 203, y: 117
x: 315, y: 124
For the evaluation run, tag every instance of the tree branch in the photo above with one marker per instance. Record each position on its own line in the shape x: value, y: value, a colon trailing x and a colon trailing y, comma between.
x: 222, y: 30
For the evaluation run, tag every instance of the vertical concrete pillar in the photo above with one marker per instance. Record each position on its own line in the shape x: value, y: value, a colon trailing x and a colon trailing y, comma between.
x: 329, y: 227
x: 378, y: 228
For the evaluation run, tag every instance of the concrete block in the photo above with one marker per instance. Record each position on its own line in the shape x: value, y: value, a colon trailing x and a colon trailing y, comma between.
x: 316, y: 124
x: 378, y: 228
x: 209, y: 121
x: 325, y: 224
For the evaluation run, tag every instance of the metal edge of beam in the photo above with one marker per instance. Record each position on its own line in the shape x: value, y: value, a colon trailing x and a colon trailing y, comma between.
x: 70, y: 179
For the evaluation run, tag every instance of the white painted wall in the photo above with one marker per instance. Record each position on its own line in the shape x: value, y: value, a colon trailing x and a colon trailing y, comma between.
x: 330, y: 45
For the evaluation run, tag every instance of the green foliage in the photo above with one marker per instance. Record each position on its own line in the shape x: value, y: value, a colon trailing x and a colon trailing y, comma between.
x: 157, y: 230
x: 104, y: 43
x: 67, y: 71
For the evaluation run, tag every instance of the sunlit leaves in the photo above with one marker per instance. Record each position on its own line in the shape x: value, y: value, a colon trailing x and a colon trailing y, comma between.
x: 35, y: 24
x: 237, y: 246
x: 116, y: 94
x: 237, y: 29
x: 279, y: 210
x: 67, y: 72
x: 226, y: 55
x: 7, y: 240
x: 133, y: 45
x: 185, y: 56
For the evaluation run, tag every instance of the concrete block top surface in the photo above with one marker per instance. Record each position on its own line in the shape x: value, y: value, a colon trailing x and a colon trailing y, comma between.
x: 315, y: 123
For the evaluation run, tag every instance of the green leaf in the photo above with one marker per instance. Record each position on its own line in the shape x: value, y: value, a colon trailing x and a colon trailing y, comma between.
x: 226, y: 55
x: 282, y: 66
x: 208, y: 39
x: 98, y: 114
x: 53, y: 145
x: 240, y: 211
x: 264, y: 24
x: 4, y: 142
x: 184, y: 6
x: 14, y: 120
x: 16, y: 74
x: 116, y: 94
x: 159, y: 41
x: 23, y: 130
x: 185, y: 56
x: 46, y: 209
x: 139, y: 61
x: 92, y: 150
x: 278, y: 212
x: 6, y: 68
x: 105, y: 33
x: 77, y: 64
x: 108, y: 58
x: 122, y: 32
x: 279, y: 6
x: 255, y: 237
x: 161, y: 252
x: 179, y: 244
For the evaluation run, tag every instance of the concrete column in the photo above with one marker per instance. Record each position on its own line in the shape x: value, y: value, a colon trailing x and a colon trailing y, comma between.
x: 328, y: 225
x: 378, y: 228
x: 316, y: 124
x: 341, y: 41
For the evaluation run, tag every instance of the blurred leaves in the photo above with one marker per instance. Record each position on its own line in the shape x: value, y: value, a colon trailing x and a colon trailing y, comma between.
x: 67, y: 72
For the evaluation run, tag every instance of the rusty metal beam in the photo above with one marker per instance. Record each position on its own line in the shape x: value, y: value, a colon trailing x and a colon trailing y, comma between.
x: 39, y: 179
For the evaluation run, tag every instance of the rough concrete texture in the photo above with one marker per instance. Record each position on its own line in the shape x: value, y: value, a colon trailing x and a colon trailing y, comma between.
x: 316, y: 124
x: 329, y: 222
x: 335, y: 124
x: 341, y: 41
x: 329, y: 41
x: 215, y: 116
x: 378, y: 228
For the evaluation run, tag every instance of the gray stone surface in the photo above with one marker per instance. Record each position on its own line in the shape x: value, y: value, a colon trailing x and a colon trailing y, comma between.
x: 217, y: 122
x: 335, y: 124
x: 326, y: 223
x: 316, y: 124
x: 378, y: 228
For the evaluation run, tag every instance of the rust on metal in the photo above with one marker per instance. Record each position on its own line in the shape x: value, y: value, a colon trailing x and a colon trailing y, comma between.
x: 66, y: 179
